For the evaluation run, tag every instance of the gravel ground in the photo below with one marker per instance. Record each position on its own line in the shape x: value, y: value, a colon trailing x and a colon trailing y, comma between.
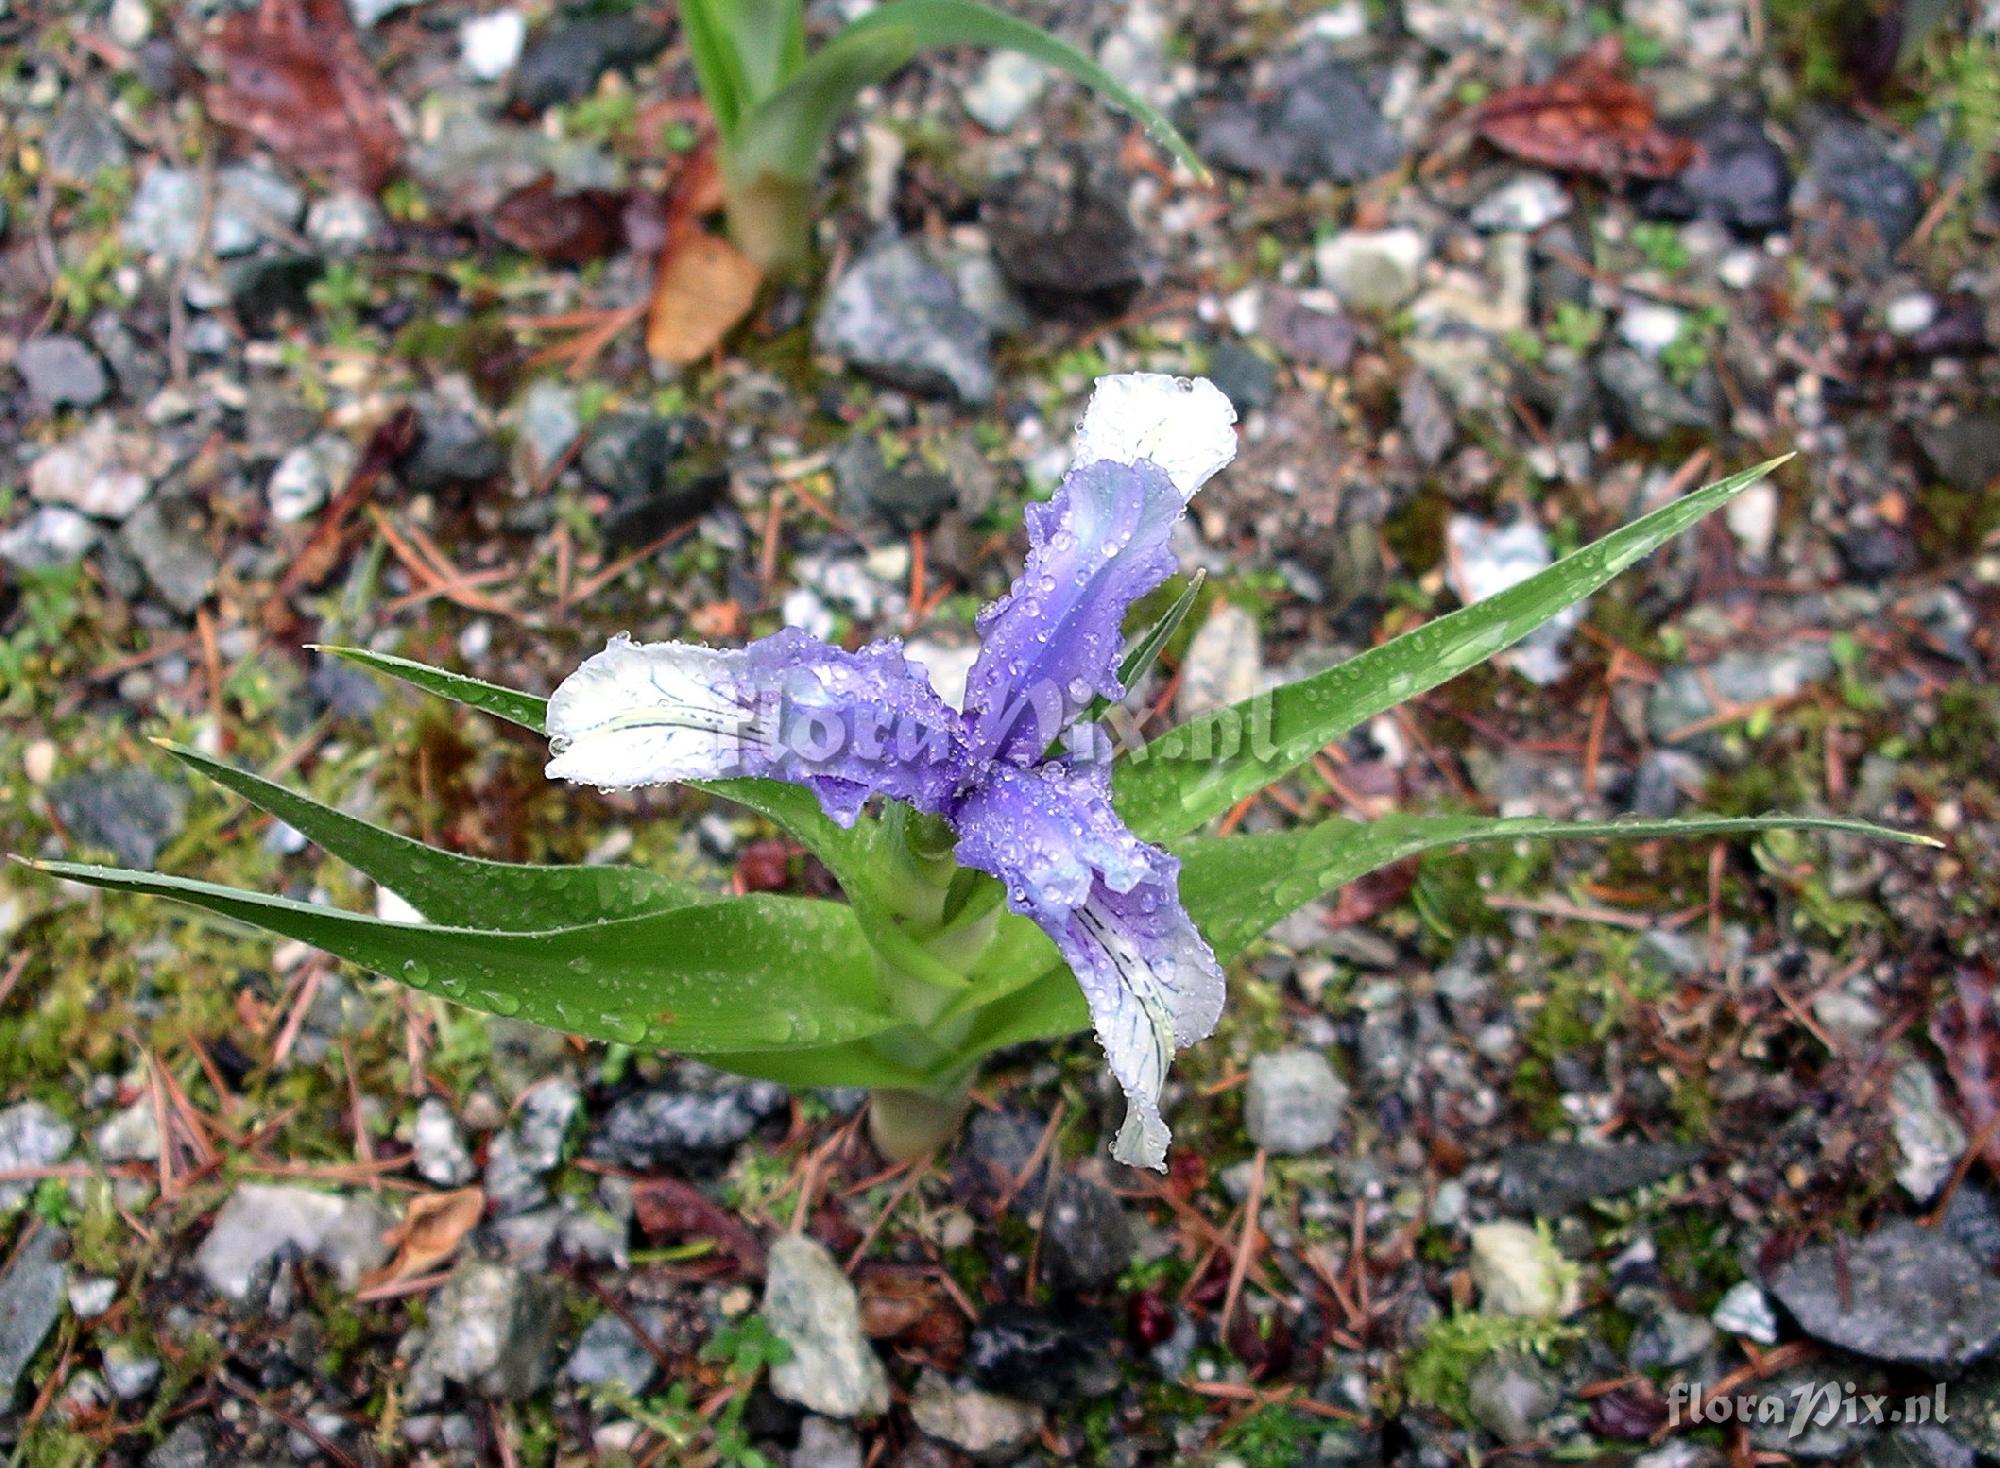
x: 1508, y: 1152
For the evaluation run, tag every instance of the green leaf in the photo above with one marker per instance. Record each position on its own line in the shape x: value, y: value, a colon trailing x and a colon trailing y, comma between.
x: 785, y: 134
x: 458, y: 891
x: 770, y: 41
x: 1146, y: 651
x: 748, y: 973
x: 849, y: 854
x: 856, y: 1063
x: 718, y: 64
x: 525, y: 709
x: 1235, y: 887
x: 1172, y: 785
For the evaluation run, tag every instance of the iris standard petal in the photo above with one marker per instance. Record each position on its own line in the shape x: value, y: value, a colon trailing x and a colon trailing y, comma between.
x: 1112, y: 905
x: 1185, y: 425
x: 846, y: 724
x: 1051, y: 644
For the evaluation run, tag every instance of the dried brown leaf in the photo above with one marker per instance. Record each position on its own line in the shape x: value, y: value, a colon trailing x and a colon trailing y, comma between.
x: 432, y: 1228
x: 704, y: 287
x: 668, y: 1208
x: 1587, y: 118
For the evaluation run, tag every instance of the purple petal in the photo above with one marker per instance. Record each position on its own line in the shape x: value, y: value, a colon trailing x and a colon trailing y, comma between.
x: 847, y: 725
x: 1112, y: 905
x: 1052, y: 643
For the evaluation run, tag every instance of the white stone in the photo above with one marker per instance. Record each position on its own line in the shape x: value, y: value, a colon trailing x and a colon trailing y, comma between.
x: 261, y: 1218
x: 130, y: 22
x: 100, y: 471
x: 1928, y: 1138
x: 1752, y: 518
x: 1909, y: 314
x: 1008, y: 85
x: 1746, y: 1311
x: 946, y: 664
x: 1525, y: 203
x: 1224, y: 662
x: 1519, y: 1272
x: 489, y: 45
x: 1371, y: 270
x: 1650, y: 327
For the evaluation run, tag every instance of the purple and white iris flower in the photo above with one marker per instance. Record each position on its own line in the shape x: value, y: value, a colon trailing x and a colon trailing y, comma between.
x: 1016, y: 774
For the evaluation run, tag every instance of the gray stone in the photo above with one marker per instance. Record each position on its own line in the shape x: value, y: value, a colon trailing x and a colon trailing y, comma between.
x: 1669, y: 1339
x: 1317, y: 123
x: 1510, y: 1396
x: 512, y: 1185
x: 542, y: 1122
x: 343, y: 223
x: 1087, y: 1235
x: 31, y: 1135
x: 82, y: 142
x: 655, y: 1128
x: 1007, y: 86
x: 92, y: 1296
x: 1851, y: 167
x: 492, y: 1331
x: 164, y: 217
x: 813, y: 1308
x: 454, y: 451
x: 305, y: 478
x: 263, y: 1220
x: 1745, y: 1310
x: 1224, y: 662
x: 609, y: 1354
x: 1682, y: 697
x: 130, y: 812
x: 1904, y: 1294
x: 906, y: 498
x: 657, y: 472
x: 1246, y: 377
x: 190, y: 1445
x: 1964, y: 451
x: 61, y: 372
x: 98, y: 470
x: 1063, y: 234
x: 1549, y: 1179
x: 1817, y: 1423
x: 441, y: 1155
x: 467, y: 155
x: 1524, y: 203
x: 1739, y: 178
x: 51, y: 537
x: 1293, y: 1102
x: 1371, y: 270
x: 31, y: 1297
x: 130, y: 1372
x: 131, y: 1135
x: 895, y: 316
x: 989, y: 1427
x: 178, y: 563
x: 824, y: 1444
x: 546, y: 421
x: 1425, y: 416
x: 1642, y: 399
x: 1924, y: 1446
x: 1928, y: 1138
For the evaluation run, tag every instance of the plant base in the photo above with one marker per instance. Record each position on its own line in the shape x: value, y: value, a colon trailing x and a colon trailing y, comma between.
x: 907, y: 1125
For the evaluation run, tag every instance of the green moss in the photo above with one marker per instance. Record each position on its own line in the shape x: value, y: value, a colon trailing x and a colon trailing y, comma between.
x: 1438, y: 1372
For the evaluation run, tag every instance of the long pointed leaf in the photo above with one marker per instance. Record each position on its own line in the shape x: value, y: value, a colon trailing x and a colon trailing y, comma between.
x: 718, y: 64
x: 457, y: 891
x: 1172, y: 786
x: 747, y: 973
x: 848, y: 853
x: 1236, y: 887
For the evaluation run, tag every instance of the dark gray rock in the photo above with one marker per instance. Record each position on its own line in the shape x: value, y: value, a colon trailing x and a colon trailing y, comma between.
x: 1973, y: 1218
x: 31, y: 1297
x: 1927, y: 1446
x: 455, y: 451
x: 563, y: 60
x: 1426, y: 418
x: 1549, y: 1179
x: 658, y: 473
x: 1904, y: 1294
x: 1817, y: 1423
x: 177, y: 562
x: 1975, y: 1409
x: 130, y: 812
x: 345, y: 691
x: 998, y: 1146
x: 654, y: 1128
x: 896, y: 316
x: 906, y: 498
x: 1087, y: 1235
x: 1245, y: 376
x: 1064, y: 236
x: 1037, y: 1356
x: 61, y: 372
x: 1740, y: 178
x: 1643, y: 400
x: 1964, y: 452
x: 609, y: 1354
x: 1317, y: 123
x: 190, y: 1445
x: 1852, y: 170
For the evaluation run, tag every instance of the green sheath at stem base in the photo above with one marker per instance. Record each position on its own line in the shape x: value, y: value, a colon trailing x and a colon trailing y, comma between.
x: 908, y: 1125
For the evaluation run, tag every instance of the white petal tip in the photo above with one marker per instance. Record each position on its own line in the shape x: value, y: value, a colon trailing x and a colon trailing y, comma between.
x: 1183, y: 424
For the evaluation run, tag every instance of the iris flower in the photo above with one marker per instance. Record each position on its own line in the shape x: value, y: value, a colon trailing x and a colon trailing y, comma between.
x: 1018, y: 774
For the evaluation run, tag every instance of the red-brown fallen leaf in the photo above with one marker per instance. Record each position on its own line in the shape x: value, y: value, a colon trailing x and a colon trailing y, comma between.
x: 431, y: 1230
x: 1585, y: 119
x: 705, y: 285
x: 576, y: 228
x: 292, y: 74
x: 1967, y: 1031
x: 667, y: 1207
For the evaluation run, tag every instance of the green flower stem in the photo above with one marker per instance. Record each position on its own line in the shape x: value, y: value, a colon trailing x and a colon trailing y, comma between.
x: 770, y: 219
x: 908, y: 1125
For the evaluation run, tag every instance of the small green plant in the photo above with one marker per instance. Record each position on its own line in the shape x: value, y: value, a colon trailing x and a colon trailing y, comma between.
x: 1576, y: 327
x: 1440, y: 1369
x: 1660, y: 244
x: 775, y: 105
x: 1689, y: 351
